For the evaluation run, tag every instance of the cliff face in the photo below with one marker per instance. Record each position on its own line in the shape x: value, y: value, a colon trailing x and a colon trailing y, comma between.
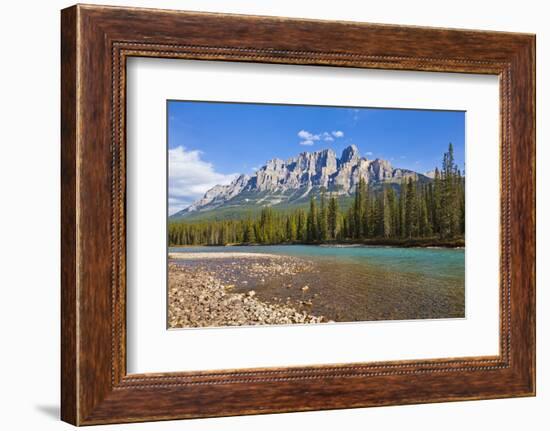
x: 296, y: 177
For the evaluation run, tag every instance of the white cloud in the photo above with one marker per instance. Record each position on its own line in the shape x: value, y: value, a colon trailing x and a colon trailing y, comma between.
x: 354, y: 114
x: 369, y: 153
x: 309, y: 138
x: 190, y: 177
x: 326, y: 136
x: 174, y: 206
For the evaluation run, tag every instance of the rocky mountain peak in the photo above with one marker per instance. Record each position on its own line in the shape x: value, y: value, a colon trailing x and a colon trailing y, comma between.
x: 294, y: 179
x: 430, y: 174
x: 350, y: 154
x: 274, y: 164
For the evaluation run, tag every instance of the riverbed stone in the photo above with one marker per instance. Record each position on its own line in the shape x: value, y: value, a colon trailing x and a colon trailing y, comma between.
x: 198, y: 299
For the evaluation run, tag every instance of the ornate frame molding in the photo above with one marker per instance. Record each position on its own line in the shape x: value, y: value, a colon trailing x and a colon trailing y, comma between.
x: 96, y: 41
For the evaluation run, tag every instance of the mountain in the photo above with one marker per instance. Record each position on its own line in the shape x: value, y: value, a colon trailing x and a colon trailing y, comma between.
x: 286, y: 183
x: 430, y: 174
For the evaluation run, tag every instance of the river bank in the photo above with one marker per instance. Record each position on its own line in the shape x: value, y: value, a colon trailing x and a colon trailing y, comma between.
x: 383, y: 242
x: 197, y: 297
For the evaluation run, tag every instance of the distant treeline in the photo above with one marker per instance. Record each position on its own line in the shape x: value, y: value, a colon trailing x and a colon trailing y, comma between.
x: 416, y: 211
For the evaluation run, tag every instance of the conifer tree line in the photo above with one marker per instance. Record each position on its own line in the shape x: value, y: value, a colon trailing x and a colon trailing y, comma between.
x: 413, y: 210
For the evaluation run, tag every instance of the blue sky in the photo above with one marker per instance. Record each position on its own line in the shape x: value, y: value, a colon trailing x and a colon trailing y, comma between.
x: 209, y: 143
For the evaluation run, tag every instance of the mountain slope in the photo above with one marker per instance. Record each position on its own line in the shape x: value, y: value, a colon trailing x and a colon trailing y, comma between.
x: 290, y: 183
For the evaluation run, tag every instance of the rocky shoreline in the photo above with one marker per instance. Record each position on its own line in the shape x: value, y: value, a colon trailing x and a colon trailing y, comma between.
x: 197, y: 297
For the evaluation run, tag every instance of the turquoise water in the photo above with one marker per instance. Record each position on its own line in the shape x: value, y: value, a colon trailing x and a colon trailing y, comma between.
x: 442, y: 262
x: 364, y: 283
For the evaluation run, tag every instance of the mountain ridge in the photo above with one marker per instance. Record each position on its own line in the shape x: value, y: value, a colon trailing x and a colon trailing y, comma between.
x: 284, y: 182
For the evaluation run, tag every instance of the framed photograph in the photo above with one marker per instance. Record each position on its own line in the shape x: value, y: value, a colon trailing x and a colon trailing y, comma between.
x: 315, y: 237
x: 264, y: 215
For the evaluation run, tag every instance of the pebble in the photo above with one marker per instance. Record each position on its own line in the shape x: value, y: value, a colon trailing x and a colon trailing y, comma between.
x: 197, y: 298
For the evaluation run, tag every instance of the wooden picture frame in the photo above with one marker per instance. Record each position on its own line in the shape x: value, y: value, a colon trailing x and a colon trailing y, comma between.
x: 95, y: 43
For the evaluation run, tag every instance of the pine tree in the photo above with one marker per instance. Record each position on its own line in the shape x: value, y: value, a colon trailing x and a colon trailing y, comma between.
x: 366, y: 210
x: 312, y: 221
x: 249, y: 236
x: 350, y: 225
x: 267, y: 226
x: 302, y: 226
x: 450, y: 206
x: 386, y: 215
x: 378, y: 215
x: 411, y: 215
x: 344, y: 231
x: 436, y: 210
x: 462, y: 204
x: 358, y: 208
x: 323, y: 218
x: 423, y: 222
x: 333, y: 217
x: 394, y: 211
x: 401, y: 215
x: 289, y: 234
